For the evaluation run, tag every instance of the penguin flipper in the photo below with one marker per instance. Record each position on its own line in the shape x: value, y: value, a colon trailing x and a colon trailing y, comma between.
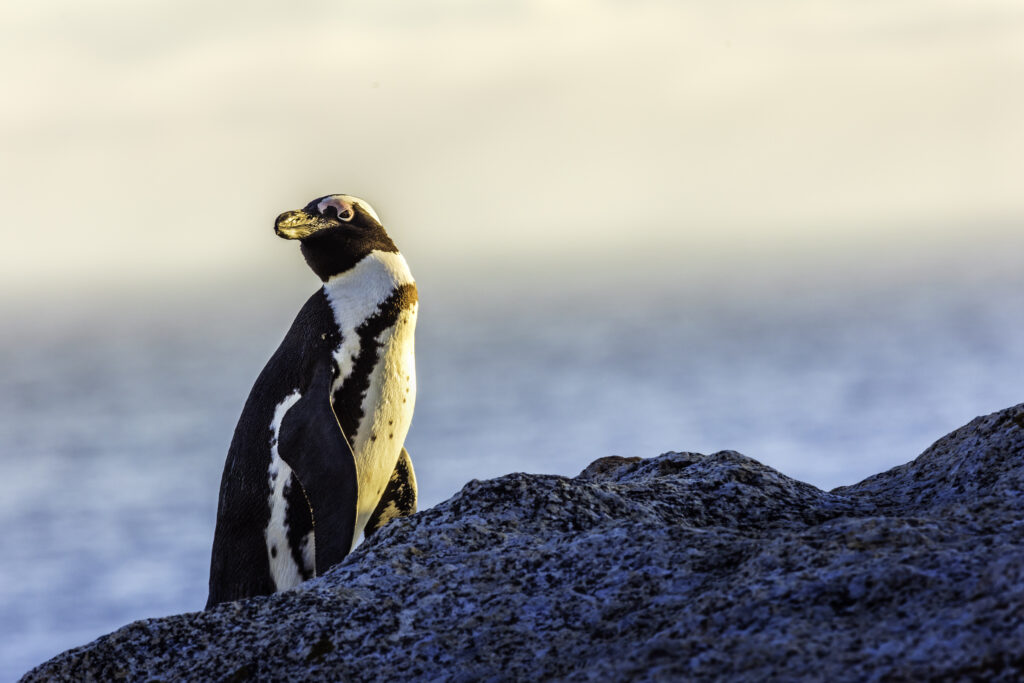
x: 399, y: 497
x: 311, y: 442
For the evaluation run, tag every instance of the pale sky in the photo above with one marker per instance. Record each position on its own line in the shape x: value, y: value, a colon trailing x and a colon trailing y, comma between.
x: 160, y: 139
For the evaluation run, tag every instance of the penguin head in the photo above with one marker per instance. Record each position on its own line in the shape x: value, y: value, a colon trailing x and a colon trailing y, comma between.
x: 335, y: 233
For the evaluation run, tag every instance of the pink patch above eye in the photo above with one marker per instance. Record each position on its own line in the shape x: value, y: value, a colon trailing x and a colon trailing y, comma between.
x: 342, y: 209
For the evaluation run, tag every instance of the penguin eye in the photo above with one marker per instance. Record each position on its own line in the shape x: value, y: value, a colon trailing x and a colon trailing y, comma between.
x: 341, y: 210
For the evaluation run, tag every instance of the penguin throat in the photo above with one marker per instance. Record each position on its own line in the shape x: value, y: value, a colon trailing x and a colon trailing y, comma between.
x: 358, y: 292
x: 332, y: 252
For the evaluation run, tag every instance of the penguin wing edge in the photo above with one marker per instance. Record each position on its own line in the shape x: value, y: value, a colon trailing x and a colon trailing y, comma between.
x: 313, y: 445
x: 399, y: 497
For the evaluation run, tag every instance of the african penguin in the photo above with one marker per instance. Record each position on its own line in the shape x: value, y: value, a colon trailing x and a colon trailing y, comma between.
x: 317, y: 457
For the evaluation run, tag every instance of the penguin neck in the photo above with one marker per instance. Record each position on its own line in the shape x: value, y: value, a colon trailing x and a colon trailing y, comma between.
x: 357, y: 293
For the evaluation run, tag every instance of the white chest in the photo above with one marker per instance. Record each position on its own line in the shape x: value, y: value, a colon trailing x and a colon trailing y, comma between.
x: 386, y: 404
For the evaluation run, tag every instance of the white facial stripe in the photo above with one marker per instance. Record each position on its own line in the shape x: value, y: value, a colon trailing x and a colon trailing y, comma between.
x: 345, y: 204
x: 283, y: 568
x: 341, y: 207
x: 366, y: 207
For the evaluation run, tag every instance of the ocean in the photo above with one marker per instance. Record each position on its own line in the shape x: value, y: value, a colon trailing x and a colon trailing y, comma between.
x: 116, y: 411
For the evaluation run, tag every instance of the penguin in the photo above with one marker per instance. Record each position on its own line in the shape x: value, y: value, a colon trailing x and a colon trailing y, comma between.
x: 317, y: 457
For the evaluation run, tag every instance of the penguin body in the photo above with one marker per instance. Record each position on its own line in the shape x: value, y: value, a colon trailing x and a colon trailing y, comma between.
x: 317, y: 457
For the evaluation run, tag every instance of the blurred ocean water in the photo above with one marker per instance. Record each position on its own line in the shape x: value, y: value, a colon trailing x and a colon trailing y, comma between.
x: 115, y: 417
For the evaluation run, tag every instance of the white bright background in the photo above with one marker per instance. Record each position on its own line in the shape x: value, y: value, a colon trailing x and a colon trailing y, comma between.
x: 148, y: 141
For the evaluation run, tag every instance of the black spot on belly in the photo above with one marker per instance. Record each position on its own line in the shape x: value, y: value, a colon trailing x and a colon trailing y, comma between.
x: 273, y: 551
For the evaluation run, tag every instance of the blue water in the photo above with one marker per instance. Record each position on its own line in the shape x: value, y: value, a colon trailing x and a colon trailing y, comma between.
x: 115, y: 416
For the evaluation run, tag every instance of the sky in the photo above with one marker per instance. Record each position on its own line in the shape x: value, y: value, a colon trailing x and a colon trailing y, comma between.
x: 154, y: 142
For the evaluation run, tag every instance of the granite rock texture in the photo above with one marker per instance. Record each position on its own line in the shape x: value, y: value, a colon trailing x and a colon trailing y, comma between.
x: 683, y: 566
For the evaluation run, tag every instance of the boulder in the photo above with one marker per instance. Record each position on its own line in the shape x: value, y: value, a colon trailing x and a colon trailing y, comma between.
x: 684, y: 566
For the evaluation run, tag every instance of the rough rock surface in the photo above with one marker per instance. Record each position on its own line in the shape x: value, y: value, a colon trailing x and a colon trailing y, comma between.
x: 681, y: 566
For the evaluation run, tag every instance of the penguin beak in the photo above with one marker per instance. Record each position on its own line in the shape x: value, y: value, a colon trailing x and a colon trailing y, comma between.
x: 297, y: 225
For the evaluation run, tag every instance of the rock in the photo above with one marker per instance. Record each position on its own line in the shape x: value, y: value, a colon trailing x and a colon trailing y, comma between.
x: 684, y: 566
